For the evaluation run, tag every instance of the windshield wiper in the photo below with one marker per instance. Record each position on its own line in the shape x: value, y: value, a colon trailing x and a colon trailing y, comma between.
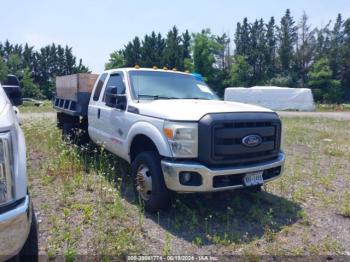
x: 155, y: 97
x: 196, y: 98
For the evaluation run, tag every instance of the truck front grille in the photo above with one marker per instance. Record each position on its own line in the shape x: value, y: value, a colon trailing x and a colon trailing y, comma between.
x: 220, y: 138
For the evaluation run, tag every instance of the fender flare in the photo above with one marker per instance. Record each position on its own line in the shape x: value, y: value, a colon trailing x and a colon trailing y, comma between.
x: 149, y: 130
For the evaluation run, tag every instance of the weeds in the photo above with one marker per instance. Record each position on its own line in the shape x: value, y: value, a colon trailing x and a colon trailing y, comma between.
x: 84, y: 209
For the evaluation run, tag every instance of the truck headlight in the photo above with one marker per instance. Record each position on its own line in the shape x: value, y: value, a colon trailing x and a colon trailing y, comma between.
x: 5, y: 169
x: 182, y: 138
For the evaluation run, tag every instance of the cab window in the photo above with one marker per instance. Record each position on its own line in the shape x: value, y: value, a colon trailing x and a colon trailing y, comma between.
x: 99, y: 86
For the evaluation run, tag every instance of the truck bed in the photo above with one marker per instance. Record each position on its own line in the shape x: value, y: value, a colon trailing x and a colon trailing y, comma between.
x: 73, y: 93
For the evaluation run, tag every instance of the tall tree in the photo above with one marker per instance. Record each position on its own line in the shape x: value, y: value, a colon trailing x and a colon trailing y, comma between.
x: 345, y: 62
x: 149, y: 51
x: 336, y: 45
x: 132, y: 52
x: 186, y: 44
x: 242, y: 38
x: 305, y: 49
x: 270, y: 55
x: 173, y: 52
x: 287, y: 36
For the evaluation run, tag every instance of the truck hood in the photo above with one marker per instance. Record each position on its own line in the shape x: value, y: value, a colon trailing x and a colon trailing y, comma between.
x: 192, y: 110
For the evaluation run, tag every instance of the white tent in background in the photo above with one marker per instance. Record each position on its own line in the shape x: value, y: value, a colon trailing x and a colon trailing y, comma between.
x: 273, y: 97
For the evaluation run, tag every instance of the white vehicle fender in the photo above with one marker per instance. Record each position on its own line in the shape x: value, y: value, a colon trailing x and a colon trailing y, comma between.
x: 153, y: 133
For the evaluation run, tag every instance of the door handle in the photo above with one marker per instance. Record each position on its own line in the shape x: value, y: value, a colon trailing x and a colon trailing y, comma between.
x: 98, y: 113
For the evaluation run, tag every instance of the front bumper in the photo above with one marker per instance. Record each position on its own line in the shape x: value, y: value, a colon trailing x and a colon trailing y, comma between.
x: 14, y: 228
x: 172, y: 170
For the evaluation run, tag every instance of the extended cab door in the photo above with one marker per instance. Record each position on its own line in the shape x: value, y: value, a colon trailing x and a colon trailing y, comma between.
x: 112, y: 118
x: 94, y: 113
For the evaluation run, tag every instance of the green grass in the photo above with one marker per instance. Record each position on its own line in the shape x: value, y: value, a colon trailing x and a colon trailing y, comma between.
x: 29, y: 107
x: 85, y: 208
x: 81, y: 203
x: 332, y: 107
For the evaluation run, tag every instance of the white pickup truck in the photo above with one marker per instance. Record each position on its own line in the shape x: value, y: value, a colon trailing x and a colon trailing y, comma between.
x: 18, y: 227
x: 175, y: 132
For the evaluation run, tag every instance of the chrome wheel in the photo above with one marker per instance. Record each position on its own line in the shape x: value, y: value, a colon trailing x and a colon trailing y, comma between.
x: 144, y: 182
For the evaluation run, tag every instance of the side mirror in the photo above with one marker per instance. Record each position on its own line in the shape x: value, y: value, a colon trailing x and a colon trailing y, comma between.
x: 121, y: 102
x: 114, y: 100
x: 110, y: 98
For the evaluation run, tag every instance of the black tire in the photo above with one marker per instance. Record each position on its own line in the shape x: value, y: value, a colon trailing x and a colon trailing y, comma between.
x: 67, y: 131
x: 160, y: 196
x: 30, y: 250
x: 59, y: 122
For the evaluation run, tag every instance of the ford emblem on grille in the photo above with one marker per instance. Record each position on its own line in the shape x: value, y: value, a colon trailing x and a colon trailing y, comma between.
x: 251, y: 140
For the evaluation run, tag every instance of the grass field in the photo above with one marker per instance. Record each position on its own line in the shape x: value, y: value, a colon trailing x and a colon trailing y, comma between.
x: 332, y: 108
x: 30, y: 107
x: 85, y: 204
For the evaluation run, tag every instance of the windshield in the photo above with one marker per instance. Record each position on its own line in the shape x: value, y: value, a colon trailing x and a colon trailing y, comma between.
x: 168, y: 85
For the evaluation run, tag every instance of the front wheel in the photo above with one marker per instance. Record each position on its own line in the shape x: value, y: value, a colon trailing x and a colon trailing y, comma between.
x: 149, y: 185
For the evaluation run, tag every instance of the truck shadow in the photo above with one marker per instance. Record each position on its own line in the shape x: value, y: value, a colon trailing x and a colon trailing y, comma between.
x: 227, y: 217
x: 238, y: 216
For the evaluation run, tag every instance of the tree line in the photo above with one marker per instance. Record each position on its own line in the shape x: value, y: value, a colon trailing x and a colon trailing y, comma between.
x: 37, y: 69
x: 286, y: 53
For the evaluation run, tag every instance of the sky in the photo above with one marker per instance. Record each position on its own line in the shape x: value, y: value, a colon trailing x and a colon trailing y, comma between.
x: 96, y: 28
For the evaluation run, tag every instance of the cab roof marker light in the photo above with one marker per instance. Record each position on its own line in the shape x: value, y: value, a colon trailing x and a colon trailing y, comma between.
x: 165, y: 68
x: 155, y: 67
x: 137, y: 66
x: 198, y: 76
x: 174, y: 69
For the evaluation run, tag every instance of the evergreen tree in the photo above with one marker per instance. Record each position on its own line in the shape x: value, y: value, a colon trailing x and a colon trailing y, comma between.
x: 336, y: 45
x: 160, y: 46
x: 287, y: 36
x: 70, y: 61
x: 28, y: 56
x: 345, y: 62
x: 186, y: 44
x: 305, y: 49
x: 256, y: 57
x: 270, y: 55
x: 173, y: 52
x: 242, y: 38
x: 150, y: 54
x: 322, y: 46
x: 132, y: 53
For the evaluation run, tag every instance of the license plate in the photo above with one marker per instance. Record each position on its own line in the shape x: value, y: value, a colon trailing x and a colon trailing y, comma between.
x: 254, y: 178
